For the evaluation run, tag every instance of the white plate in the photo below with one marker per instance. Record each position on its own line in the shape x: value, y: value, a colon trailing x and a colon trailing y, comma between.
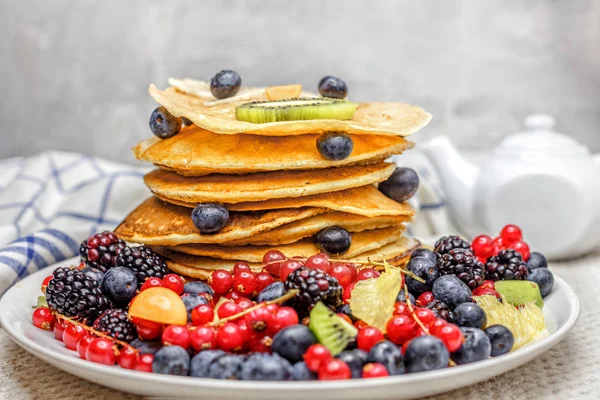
x: 561, y: 312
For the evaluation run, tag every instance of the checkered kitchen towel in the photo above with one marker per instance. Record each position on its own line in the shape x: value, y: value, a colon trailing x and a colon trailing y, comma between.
x: 50, y: 202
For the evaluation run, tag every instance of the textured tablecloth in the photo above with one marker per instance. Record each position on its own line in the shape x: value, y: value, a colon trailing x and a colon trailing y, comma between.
x: 569, y: 370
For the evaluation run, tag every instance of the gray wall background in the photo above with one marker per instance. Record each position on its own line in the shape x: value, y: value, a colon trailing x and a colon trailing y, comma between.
x: 75, y: 73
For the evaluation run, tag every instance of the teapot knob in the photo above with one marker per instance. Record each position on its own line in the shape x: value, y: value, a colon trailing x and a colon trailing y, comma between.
x: 539, y: 122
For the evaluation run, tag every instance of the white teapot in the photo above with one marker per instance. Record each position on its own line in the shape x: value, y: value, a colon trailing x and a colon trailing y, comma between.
x: 542, y: 180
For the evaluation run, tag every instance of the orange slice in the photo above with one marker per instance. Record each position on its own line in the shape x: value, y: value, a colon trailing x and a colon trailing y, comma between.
x: 283, y: 92
x: 160, y: 305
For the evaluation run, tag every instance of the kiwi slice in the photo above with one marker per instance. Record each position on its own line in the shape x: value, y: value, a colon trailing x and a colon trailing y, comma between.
x: 260, y: 112
x: 519, y: 293
x: 331, y: 330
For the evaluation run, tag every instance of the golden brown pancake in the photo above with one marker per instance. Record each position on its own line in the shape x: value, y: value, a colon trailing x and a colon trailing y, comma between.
x: 263, y: 186
x: 156, y: 222
x: 396, y: 119
x: 361, y: 242
x: 195, y: 152
x: 365, y: 200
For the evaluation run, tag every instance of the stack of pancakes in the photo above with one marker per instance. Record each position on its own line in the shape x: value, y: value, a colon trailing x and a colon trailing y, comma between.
x: 279, y: 190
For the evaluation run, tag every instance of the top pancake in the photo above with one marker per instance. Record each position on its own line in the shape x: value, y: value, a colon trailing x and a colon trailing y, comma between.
x: 395, y: 119
x: 195, y: 152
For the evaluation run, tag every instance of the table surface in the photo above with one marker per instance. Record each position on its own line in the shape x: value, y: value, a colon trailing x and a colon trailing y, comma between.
x: 569, y: 370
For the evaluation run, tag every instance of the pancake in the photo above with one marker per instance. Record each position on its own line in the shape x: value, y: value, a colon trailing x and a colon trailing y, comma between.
x: 395, y: 119
x: 361, y: 242
x: 156, y: 222
x: 293, y: 232
x: 397, y: 253
x: 263, y: 186
x: 195, y: 152
x: 365, y: 200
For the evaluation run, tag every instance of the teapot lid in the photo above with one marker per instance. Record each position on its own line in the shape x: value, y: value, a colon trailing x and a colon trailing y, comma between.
x: 539, y: 135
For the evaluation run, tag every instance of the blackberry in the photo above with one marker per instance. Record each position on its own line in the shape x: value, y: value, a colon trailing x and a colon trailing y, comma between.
x: 464, y: 265
x: 115, y: 323
x: 314, y: 285
x: 507, y: 265
x: 447, y: 243
x: 101, y: 250
x: 441, y: 310
x: 144, y: 262
x: 73, y: 294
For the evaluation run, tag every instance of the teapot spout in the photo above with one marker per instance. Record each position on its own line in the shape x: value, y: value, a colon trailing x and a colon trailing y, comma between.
x: 457, y: 177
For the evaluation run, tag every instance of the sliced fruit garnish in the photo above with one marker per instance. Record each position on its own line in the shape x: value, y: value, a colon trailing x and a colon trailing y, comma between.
x: 373, y: 299
x: 526, y: 322
x: 158, y: 304
x: 331, y: 330
x: 260, y: 112
x: 518, y: 293
x: 283, y: 92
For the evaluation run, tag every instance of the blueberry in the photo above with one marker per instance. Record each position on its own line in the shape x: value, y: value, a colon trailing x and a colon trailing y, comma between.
x: 387, y: 354
x: 501, y: 338
x: 201, y: 362
x: 120, y: 285
x: 345, y: 309
x: 469, y: 315
x: 450, y: 290
x: 355, y: 359
x: 426, y: 353
x: 291, y: 342
x: 544, y: 279
x: 423, y: 268
x: 476, y: 347
x: 192, y: 301
x: 335, y: 145
x: 226, y: 366
x: 186, y: 122
x: 197, y: 287
x: 300, y: 372
x: 171, y: 360
x: 225, y: 84
x: 163, y: 124
x: 146, y: 347
x: 274, y: 291
x: 210, y: 217
x: 333, y: 87
x: 426, y: 253
x: 402, y: 297
x: 265, y: 367
x: 536, y: 260
x: 94, y: 273
x: 401, y: 185
x: 333, y: 240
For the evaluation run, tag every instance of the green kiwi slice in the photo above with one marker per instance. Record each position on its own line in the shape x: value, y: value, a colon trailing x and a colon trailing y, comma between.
x: 519, y: 293
x: 331, y: 330
x: 260, y: 112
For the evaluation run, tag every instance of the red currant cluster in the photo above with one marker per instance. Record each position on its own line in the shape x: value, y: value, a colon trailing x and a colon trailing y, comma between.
x: 511, y: 237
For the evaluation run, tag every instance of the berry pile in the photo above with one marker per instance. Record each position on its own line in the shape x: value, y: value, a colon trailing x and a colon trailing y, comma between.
x: 293, y: 319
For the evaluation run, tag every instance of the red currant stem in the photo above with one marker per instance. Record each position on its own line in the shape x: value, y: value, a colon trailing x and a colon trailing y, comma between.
x: 248, y: 310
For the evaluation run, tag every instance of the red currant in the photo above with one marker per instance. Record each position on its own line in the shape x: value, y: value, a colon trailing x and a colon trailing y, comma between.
x: 342, y: 273
x: 510, y: 234
x: 424, y: 299
x: 203, y: 338
x: 360, y: 325
x: 334, y: 369
x: 144, y: 364
x: 260, y: 343
x: 235, y: 296
x: 72, y: 334
x: 148, y: 330
x: 319, y: 261
x: 101, y: 351
x: 202, y: 314
x: 221, y: 281
x: 437, y: 324
x: 368, y: 337
x: 176, y: 335
x: 228, y: 309
x: 374, y: 370
x: 366, y: 273
x: 244, y: 282
x: 315, y: 355
x: 451, y: 335
x: 483, y: 291
x: 522, y: 248
x: 127, y: 358
x: 259, y: 319
x: 43, y: 318
x: 229, y: 337
x: 245, y: 329
x: 425, y: 315
x: 347, y: 292
x: 499, y: 245
x: 270, y: 261
x: 288, y: 267
x: 284, y: 316
x: 241, y: 266
x: 83, y: 344
x: 272, y: 307
x: 401, y: 308
x: 151, y: 282
x: 45, y: 283
x: 263, y: 279
x: 483, y: 246
x: 173, y: 282
x: 401, y: 329
x: 353, y: 271
x: 488, y: 284
x: 244, y: 303
x: 345, y: 317
x: 59, y: 329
